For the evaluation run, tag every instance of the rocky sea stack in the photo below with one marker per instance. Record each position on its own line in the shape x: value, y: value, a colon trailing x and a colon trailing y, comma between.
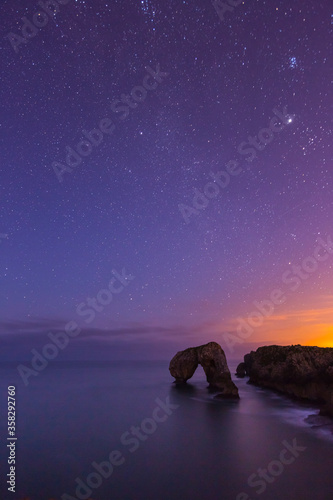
x: 241, y: 370
x: 300, y: 371
x: 212, y: 359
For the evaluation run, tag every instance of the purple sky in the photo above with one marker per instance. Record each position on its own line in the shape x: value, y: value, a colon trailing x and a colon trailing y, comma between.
x: 163, y: 136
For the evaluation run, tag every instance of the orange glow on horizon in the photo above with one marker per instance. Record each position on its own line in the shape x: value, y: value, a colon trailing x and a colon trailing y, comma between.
x: 312, y: 327
x: 323, y: 340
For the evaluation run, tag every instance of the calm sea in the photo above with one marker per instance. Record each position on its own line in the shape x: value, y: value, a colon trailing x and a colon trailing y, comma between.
x: 72, y: 416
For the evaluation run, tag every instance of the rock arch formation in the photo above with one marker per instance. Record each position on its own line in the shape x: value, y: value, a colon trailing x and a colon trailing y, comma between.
x: 212, y: 359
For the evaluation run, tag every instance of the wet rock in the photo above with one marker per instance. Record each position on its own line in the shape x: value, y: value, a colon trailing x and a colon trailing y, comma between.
x: 212, y: 358
x: 301, y: 371
x: 241, y: 370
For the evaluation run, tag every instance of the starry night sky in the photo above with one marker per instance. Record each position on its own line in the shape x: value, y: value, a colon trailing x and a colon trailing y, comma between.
x: 120, y: 206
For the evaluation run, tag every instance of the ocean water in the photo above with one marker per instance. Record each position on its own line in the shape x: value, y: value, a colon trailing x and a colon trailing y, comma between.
x: 72, y: 416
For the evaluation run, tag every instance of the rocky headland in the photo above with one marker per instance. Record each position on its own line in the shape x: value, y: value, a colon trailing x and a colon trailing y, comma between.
x: 299, y: 371
x: 212, y: 359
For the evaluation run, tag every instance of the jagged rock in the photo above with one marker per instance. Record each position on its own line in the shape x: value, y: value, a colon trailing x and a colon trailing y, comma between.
x: 241, y: 370
x: 212, y: 358
x: 300, y: 371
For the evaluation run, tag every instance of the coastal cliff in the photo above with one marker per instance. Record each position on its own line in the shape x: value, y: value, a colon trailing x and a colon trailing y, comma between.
x: 300, y: 371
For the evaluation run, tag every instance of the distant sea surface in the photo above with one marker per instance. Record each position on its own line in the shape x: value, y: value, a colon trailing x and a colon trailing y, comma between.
x: 73, y: 415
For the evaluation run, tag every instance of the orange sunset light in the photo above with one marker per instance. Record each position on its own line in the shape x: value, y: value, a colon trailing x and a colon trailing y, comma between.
x: 323, y: 340
x: 312, y: 327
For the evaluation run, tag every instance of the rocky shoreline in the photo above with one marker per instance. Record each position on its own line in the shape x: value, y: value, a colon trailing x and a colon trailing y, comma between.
x: 302, y: 372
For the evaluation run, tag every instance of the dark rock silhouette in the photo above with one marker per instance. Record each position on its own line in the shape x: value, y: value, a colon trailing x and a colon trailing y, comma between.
x: 241, y: 370
x: 300, y: 371
x: 212, y: 358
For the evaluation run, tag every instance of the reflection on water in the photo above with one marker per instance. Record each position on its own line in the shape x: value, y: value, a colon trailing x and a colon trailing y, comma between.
x: 206, y: 448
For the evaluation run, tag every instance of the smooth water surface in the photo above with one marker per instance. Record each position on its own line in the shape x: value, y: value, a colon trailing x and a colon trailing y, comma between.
x: 75, y: 414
